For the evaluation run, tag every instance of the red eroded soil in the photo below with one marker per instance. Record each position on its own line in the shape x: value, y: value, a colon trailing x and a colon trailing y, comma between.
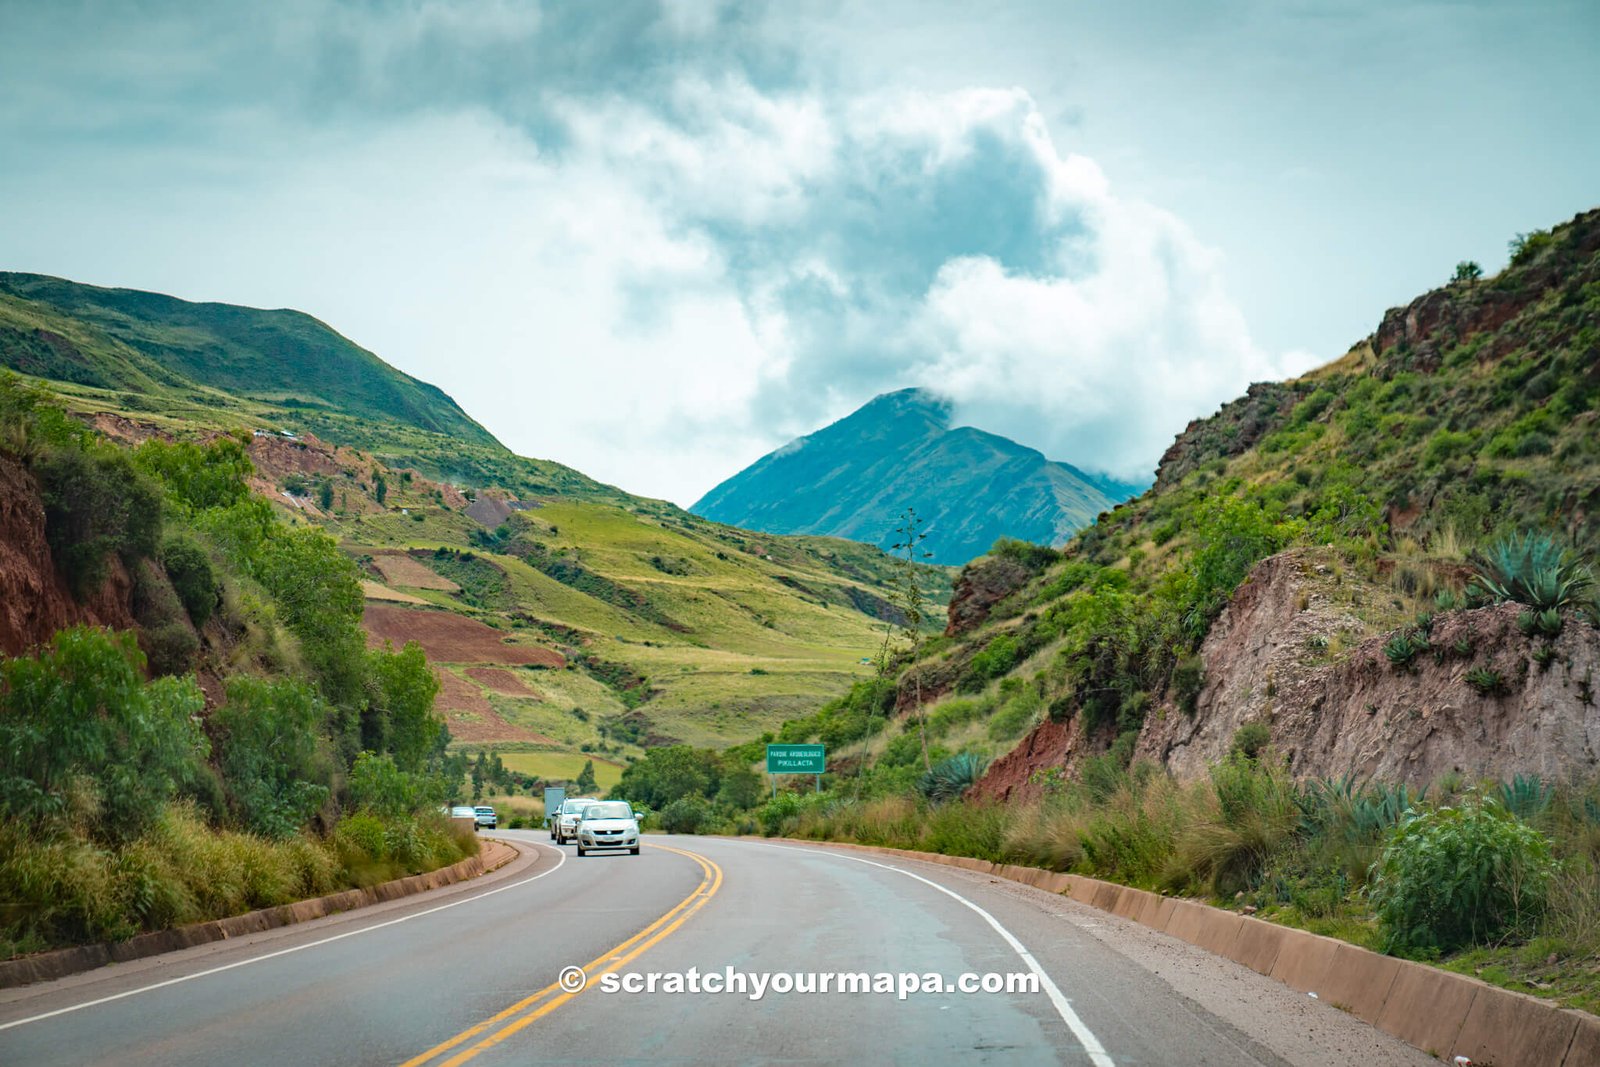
x: 34, y: 599
x: 498, y: 681
x: 466, y: 711
x: 448, y: 638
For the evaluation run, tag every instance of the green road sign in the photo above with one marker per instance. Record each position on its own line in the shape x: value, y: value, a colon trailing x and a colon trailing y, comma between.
x: 795, y: 759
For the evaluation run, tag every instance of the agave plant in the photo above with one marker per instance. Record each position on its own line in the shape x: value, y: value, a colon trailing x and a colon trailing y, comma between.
x: 951, y: 777
x: 1531, y: 568
x: 1526, y: 796
x: 1404, y: 647
x: 1487, y: 681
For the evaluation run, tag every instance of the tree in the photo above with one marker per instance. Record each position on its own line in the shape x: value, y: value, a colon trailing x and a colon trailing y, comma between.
x: 908, y: 596
x: 380, y: 488
x: 325, y: 494
x: 480, y: 771
x: 586, y: 782
x: 1467, y: 272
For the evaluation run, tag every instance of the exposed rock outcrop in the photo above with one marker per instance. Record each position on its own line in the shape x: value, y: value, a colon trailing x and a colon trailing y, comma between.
x: 981, y: 585
x: 1267, y: 660
x: 1232, y: 430
x: 34, y: 599
x: 1360, y: 715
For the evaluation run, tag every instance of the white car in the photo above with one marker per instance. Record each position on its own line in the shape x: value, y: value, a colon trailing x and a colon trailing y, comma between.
x: 565, y: 827
x: 608, y: 824
x: 485, y: 817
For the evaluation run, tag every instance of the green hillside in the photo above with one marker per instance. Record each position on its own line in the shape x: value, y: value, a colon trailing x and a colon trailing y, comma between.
x: 855, y: 478
x: 129, y: 340
x: 177, y: 364
x: 674, y: 627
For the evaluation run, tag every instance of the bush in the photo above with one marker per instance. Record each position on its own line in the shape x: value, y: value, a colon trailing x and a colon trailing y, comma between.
x: 1251, y: 739
x: 686, y: 815
x: 1034, y: 557
x: 1188, y: 679
x: 273, y: 760
x: 1015, y: 717
x: 997, y: 657
x: 170, y: 648
x: 193, y: 577
x: 1454, y: 876
x: 96, y: 504
x: 77, y: 720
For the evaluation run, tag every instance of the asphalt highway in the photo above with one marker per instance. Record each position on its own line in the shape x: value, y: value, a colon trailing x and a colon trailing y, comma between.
x: 472, y: 974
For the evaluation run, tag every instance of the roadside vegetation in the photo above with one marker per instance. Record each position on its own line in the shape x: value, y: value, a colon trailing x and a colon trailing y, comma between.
x: 132, y: 801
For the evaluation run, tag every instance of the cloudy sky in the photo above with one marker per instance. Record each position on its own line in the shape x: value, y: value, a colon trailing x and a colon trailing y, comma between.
x: 656, y: 240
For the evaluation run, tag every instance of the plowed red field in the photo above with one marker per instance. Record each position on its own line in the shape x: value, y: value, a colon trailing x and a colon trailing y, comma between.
x: 448, y: 638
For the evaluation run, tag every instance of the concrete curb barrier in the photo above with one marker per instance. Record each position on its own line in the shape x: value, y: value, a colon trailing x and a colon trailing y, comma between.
x: 47, y: 966
x: 1440, y: 1012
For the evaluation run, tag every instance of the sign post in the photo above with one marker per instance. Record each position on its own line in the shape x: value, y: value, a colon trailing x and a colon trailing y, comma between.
x: 796, y: 759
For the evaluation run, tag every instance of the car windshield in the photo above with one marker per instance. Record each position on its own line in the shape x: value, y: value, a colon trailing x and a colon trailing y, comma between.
x: 572, y: 807
x: 614, y: 810
x: 485, y: 810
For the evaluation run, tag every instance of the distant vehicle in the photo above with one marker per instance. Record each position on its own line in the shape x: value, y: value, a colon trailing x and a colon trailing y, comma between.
x: 464, y: 811
x: 608, y: 824
x: 566, y: 825
x: 486, y: 818
x: 553, y: 796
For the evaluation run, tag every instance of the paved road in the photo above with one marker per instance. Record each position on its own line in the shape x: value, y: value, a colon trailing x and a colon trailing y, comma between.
x: 471, y: 975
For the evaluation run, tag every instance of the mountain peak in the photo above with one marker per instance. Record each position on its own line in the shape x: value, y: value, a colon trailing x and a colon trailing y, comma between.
x: 856, y: 476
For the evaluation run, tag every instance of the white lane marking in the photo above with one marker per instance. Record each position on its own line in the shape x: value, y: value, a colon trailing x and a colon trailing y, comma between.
x: 1091, y: 1044
x: 287, y: 951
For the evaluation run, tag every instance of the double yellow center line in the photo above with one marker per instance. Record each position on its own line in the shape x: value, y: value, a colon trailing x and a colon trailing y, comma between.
x: 502, y: 1025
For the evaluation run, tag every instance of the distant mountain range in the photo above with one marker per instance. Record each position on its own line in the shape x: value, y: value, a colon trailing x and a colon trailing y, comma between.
x: 856, y: 477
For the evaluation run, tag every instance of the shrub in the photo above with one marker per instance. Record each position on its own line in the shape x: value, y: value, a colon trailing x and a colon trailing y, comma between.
x: 686, y: 815
x: 1251, y: 739
x: 169, y: 648
x: 1034, y: 557
x: 997, y: 657
x: 1454, y: 876
x: 193, y: 577
x: 1188, y: 679
x: 274, y: 763
x: 1015, y: 717
x: 77, y: 717
x: 96, y: 504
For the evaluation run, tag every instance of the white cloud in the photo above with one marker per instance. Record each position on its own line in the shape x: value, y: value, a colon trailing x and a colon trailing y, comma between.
x: 645, y: 257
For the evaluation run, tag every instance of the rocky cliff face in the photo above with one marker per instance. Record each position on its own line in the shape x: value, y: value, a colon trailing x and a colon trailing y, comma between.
x: 1267, y: 660
x: 981, y: 585
x: 1361, y: 715
x: 36, y: 602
